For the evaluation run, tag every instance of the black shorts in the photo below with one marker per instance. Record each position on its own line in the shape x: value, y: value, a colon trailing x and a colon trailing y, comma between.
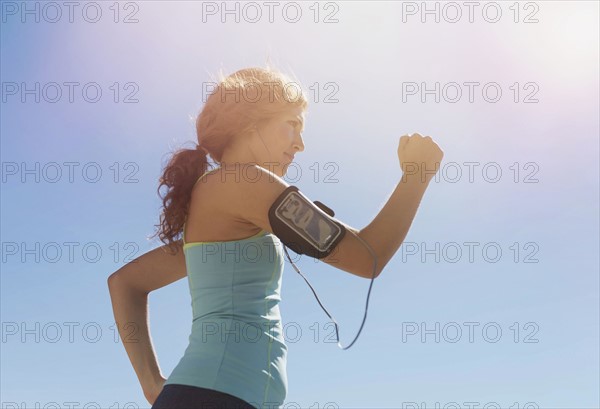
x: 175, y: 396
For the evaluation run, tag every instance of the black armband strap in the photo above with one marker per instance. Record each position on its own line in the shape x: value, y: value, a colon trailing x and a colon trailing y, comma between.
x: 303, y: 226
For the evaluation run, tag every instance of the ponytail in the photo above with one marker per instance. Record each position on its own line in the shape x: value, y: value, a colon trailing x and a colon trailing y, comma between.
x: 179, y: 176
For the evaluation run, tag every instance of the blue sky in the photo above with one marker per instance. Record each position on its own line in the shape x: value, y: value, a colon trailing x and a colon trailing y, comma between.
x: 532, y: 228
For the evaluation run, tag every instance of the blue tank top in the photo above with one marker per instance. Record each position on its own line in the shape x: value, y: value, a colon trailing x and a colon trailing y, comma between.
x: 236, y: 345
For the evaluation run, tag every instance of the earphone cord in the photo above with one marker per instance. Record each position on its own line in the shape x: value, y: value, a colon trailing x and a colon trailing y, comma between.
x: 368, y: 294
x: 337, y: 335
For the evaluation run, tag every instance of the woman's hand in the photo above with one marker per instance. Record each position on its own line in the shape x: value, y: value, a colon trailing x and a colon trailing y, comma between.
x: 152, y: 390
x: 420, y: 156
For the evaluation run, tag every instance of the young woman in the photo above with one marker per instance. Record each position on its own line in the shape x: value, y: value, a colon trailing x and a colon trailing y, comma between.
x: 252, y: 126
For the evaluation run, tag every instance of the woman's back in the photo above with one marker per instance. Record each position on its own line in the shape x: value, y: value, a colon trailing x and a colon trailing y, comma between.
x: 236, y: 345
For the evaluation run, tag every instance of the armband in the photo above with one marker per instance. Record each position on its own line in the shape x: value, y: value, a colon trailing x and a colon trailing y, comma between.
x: 303, y: 226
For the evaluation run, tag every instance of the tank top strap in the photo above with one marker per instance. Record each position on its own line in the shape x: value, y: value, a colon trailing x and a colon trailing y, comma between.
x: 195, y: 183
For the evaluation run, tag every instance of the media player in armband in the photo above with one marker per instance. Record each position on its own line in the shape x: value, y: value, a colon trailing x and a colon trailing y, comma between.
x: 305, y: 227
x: 309, y: 228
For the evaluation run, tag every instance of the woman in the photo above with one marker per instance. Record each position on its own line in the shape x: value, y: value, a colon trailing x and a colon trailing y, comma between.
x: 251, y: 125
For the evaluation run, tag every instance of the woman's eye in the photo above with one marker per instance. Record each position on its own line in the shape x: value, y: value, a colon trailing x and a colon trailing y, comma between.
x: 294, y: 123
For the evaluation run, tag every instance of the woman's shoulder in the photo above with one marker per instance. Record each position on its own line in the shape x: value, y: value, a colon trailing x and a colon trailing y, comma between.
x: 244, y: 193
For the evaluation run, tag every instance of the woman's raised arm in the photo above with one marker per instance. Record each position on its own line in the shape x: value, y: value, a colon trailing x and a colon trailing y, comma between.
x: 420, y: 159
x: 249, y: 197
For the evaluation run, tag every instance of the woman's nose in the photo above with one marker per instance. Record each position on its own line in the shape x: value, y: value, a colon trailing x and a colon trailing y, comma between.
x: 299, y: 143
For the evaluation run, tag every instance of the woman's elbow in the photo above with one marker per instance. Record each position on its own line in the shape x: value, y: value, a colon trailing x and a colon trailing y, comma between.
x: 113, y: 280
x: 117, y: 280
x: 371, y: 271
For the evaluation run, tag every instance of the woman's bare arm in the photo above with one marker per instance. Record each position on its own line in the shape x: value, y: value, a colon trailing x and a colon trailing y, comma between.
x: 250, y: 197
x: 152, y: 270
x: 129, y: 288
x: 420, y: 158
x: 384, y: 234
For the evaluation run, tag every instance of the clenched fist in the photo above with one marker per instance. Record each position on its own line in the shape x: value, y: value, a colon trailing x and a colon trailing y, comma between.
x: 419, y: 156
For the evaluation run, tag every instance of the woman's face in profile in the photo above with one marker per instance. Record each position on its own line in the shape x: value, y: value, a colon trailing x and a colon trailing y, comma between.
x: 282, y: 136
